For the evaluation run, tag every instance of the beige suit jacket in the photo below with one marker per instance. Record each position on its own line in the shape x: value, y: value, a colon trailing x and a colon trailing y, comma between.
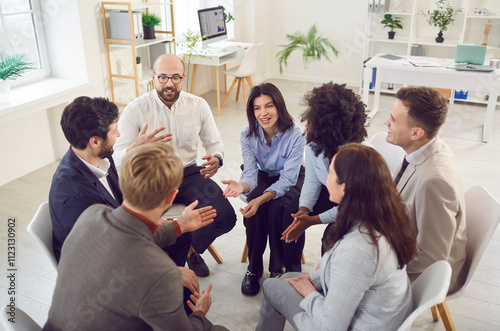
x: 431, y: 187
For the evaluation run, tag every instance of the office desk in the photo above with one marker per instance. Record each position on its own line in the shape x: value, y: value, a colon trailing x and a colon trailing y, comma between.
x: 217, y: 57
x: 396, y: 72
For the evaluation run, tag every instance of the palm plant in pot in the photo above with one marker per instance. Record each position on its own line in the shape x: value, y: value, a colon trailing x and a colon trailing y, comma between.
x: 313, y: 47
x: 11, y: 67
x: 392, y: 23
x: 444, y: 15
x: 149, y: 21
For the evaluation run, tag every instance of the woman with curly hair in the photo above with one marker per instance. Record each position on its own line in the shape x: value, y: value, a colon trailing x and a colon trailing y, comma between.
x: 272, y: 147
x: 361, y: 283
x: 335, y: 116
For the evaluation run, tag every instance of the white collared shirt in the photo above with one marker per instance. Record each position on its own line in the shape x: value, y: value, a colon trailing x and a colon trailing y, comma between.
x: 101, y: 172
x: 410, y: 157
x: 189, y: 119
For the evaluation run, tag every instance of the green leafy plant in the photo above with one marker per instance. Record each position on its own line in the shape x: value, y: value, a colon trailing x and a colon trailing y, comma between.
x: 191, y: 49
x: 150, y: 19
x: 313, y: 47
x: 13, y: 66
x: 392, y: 23
x: 444, y: 15
x: 227, y: 15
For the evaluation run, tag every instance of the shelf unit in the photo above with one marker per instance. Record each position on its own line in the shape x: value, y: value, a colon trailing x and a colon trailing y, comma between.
x: 467, y: 29
x: 130, y: 49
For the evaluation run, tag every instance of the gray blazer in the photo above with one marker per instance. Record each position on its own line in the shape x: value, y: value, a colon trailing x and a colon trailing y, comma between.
x: 357, y: 290
x: 113, y: 275
x: 431, y: 187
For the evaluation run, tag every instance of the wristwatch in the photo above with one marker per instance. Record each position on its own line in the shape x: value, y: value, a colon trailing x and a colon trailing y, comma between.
x: 220, y: 160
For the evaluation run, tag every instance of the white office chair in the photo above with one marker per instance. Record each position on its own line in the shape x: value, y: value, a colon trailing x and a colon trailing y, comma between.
x: 428, y: 289
x: 247, y: 67
x: 174, y: 213
x: 482, y: 217
x: 40, y: 227
x: 392, y: 154
x: 23, y: 321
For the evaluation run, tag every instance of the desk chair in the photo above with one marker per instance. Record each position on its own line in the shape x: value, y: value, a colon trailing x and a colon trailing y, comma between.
x: 247, y: 67
x: 40, y: 227
x: 482, y: 217
x: 392, y: 154
x: 175, y: 212
x: 23, y: 321
x: 430, y: 287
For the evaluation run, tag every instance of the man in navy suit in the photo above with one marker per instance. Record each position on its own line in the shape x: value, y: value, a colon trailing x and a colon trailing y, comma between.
x: 87, y: 175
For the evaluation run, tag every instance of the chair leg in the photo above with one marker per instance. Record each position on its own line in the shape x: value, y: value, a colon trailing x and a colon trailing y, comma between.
x: 238, y: 89
x: 445, y: 315
x: 229, y: 93
x: 435, y: 314
x: 214, y: 253
x: 303, y: 258
x: 244, y: 256
x: 249, y: 80
x: 244, y: 90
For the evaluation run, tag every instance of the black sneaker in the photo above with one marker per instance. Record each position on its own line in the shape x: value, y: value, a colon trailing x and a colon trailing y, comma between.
x: 250, y: 285
x: 198, y: 265
x: 275, y: 274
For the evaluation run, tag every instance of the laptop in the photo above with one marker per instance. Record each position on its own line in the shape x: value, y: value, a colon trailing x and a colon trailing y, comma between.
x: 471, y: 58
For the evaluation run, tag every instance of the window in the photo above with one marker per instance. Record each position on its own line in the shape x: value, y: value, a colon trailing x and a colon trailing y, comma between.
x: 21, y: 32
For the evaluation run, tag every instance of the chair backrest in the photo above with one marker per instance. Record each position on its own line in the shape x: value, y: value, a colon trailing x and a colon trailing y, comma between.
x: 23, y: 321
x: 40, y: 227
x: 249, y: 63
x: 174, y: 212
x: 428, y: 290
x: 482, y: 217
x: 392, y: 154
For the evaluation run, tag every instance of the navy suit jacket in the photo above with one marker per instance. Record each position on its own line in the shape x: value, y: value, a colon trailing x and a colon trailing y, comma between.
x: 75, y: 188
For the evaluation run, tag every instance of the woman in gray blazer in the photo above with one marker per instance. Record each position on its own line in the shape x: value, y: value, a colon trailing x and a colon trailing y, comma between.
x: 361, y: 282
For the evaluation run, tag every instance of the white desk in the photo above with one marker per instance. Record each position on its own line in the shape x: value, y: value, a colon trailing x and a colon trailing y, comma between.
x: 217, y: 57
x: 396, y: 72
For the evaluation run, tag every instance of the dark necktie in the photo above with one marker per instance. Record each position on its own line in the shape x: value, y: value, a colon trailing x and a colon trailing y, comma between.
x: 400, y: 173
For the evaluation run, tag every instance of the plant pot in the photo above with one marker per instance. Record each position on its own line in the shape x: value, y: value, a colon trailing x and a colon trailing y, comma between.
x: 4, y: 91
x: 440, y: 38
x: 139, y: 70
x: 391, y: 34
x: 149, y: 32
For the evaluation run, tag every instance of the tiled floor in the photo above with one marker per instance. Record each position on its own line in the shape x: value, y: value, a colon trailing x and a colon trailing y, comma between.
x: 478, y: 310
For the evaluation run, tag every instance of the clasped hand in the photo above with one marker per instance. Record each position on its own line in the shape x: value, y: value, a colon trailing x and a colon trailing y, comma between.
x: 301, y: 221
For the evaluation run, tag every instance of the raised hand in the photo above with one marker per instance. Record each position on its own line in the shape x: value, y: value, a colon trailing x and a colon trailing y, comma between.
x: 210, y: 167
x: 233, y: 188
x: 201, y: 302
x: 144, y: 137
x: 193, y: 219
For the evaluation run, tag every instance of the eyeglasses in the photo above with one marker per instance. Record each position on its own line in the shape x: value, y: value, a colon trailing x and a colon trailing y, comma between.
x: 164, y: 79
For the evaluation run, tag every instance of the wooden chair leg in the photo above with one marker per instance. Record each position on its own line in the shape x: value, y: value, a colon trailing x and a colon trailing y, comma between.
x: 229, y: 93
x: 238, y: 89
x: 214, y: 253
x: 303, y: 259
x: 244, y: 90
x: 435, y: 314
x: 445, y: 315
x: 244, y: 256
x: 249, y: 80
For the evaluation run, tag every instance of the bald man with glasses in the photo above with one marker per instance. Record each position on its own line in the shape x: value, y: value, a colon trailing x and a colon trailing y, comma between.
x: 170, y: 115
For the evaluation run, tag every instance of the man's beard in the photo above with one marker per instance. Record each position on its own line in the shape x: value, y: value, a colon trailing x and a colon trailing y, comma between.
x: 105, y: 152
x: 171, y: 98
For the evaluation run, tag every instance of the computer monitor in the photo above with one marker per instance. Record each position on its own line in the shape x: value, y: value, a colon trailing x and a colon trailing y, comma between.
x: 212, y: 25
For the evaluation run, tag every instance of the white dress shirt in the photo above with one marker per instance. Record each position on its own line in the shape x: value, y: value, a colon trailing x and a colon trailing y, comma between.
x: 189, y: 118
x: 101, y: 173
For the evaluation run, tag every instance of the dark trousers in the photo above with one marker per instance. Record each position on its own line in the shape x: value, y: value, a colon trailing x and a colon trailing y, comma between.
x: 267, y: 222
x: 293, y: 251
x: 196, y: 187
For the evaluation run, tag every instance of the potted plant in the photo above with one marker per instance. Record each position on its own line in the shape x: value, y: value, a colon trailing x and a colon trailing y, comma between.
x: 11, y: 67
x: 392, y: 23
x: 313, y: 47
x: 149, y: 21
x: 444, y: 15
x: 190, y: 50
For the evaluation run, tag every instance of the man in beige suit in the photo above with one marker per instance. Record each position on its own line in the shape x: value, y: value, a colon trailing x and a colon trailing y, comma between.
x: 428, y: 180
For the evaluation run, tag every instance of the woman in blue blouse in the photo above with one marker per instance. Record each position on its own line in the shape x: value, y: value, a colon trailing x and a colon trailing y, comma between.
x: 361, y: 283
x: 335, y: 116
x: 272, y: 147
